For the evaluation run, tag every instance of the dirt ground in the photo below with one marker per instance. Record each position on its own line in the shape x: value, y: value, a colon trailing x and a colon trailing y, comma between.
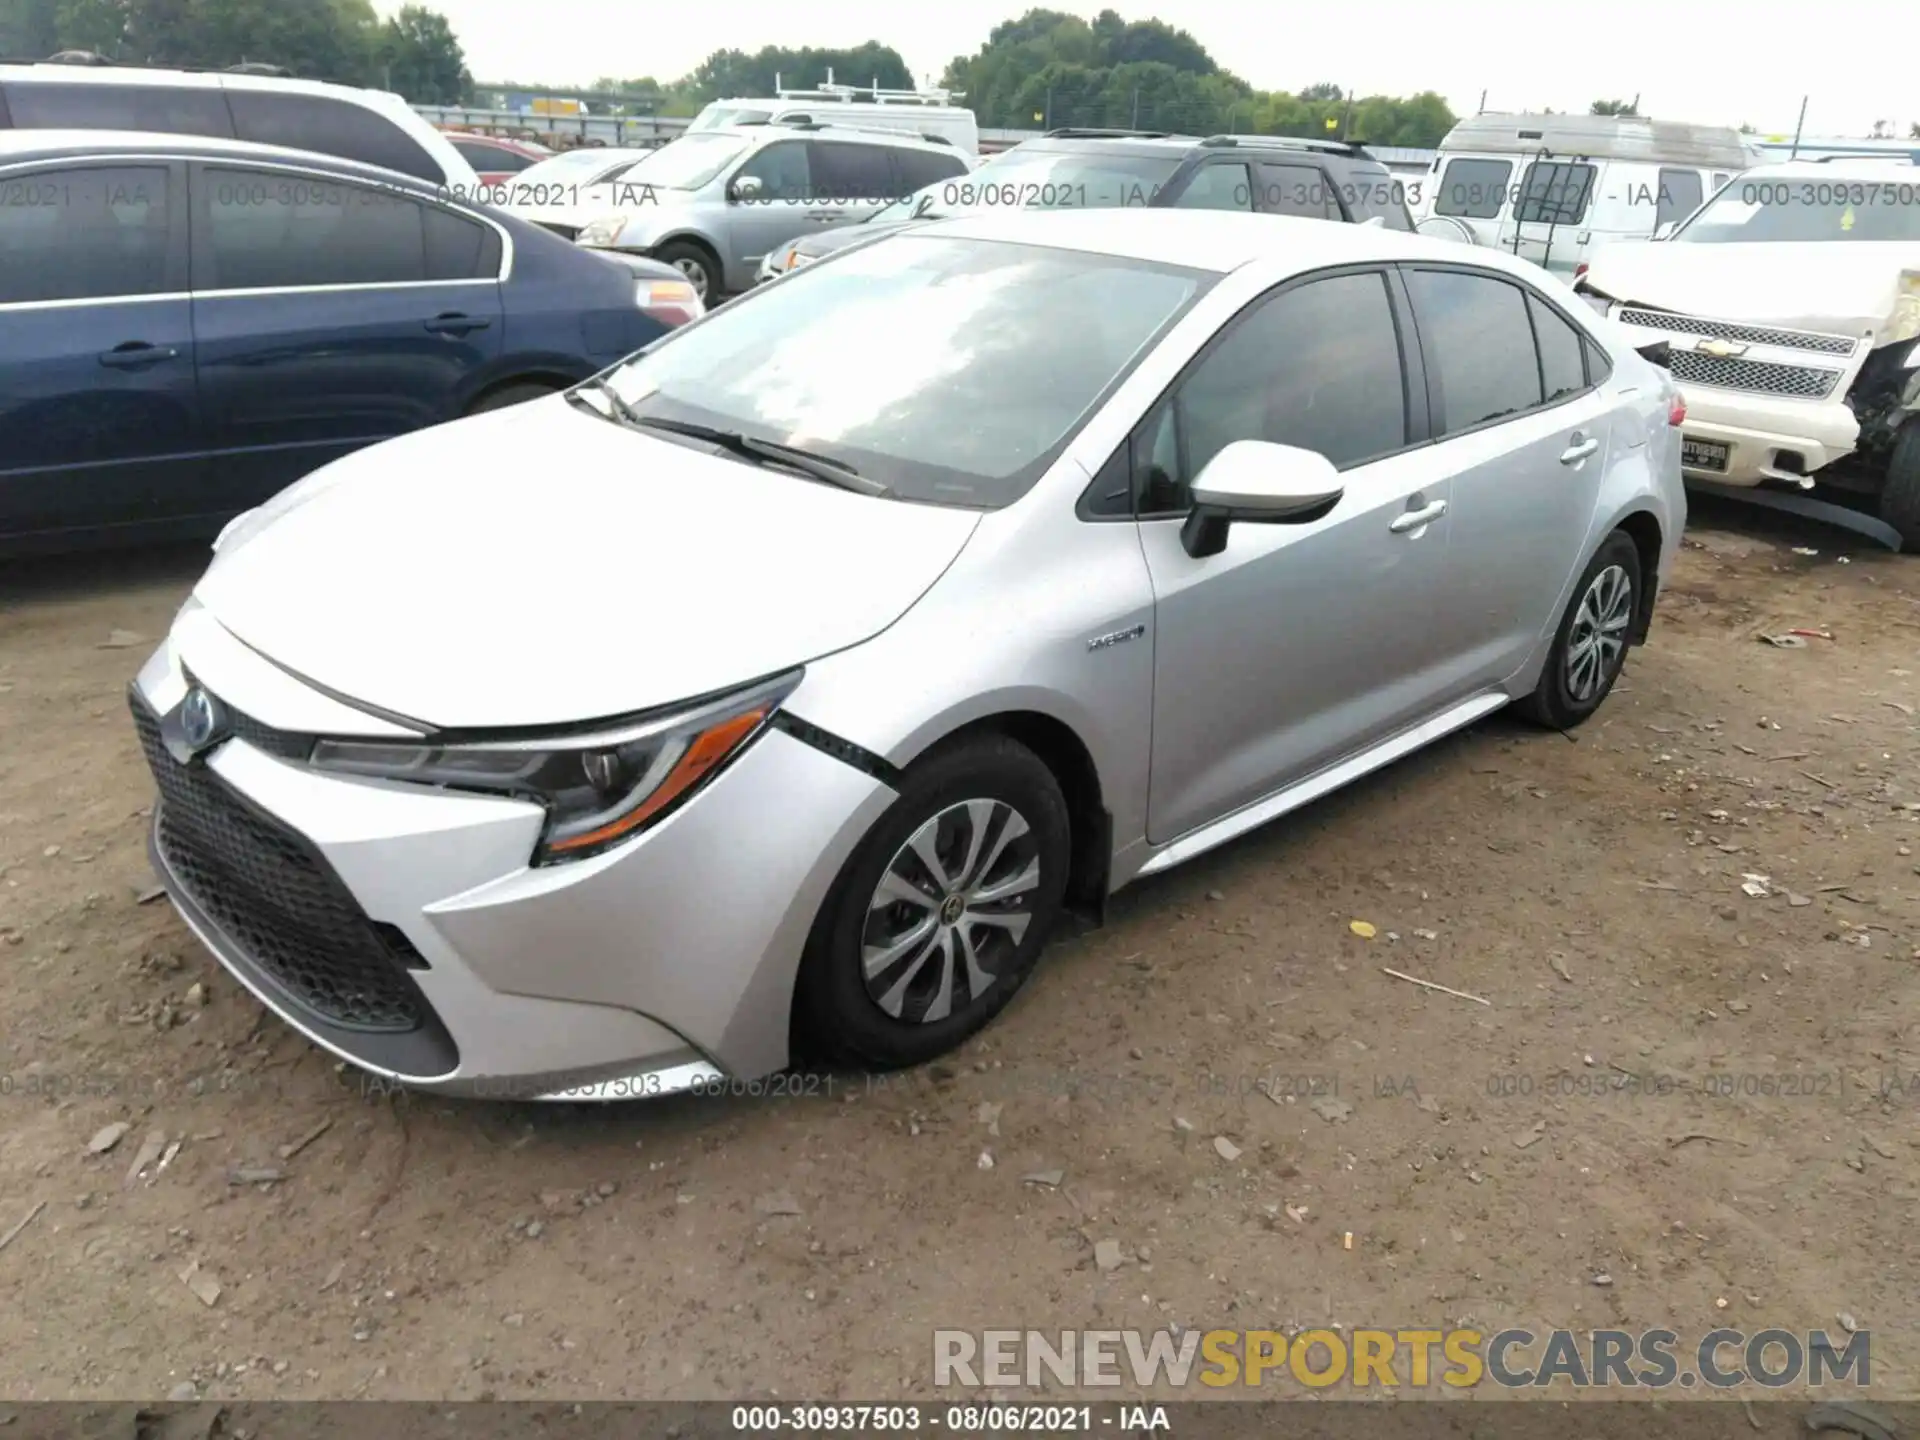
x: 1683, y: 1105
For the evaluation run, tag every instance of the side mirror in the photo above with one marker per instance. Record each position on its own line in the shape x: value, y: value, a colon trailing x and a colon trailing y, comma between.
x: 746, y: 187
x: 1257, y: 482
x: 1666, y: 229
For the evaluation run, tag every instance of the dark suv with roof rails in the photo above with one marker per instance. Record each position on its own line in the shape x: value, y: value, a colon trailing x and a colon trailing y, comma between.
x: 1111, y: 169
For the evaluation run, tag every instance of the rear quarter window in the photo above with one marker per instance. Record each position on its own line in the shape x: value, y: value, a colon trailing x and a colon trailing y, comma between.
x: 1371, y: 194
x: 332, y: 127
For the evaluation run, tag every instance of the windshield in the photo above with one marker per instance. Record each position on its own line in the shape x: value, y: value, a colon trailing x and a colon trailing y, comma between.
x: 1039, y: 181
x: 715, y: 116
x: 688, y: 162
x: 575, y: 167
x: 951, y: 371
x: 1803, y: 209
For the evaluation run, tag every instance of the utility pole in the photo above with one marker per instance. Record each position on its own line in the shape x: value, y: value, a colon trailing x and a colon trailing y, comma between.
x: 1047, y: 123
x: 1798, y: 126
x: 1483, y: 104
x: 1136, y: 109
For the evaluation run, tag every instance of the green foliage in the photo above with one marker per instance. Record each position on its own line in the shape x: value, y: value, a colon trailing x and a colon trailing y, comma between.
x: 1048, y: 68
x: 1614, y: 107
x: 341, y: 40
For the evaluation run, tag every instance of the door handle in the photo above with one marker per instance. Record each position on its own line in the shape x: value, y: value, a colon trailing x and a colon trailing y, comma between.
x: 1418, y: 519
x: 1579, y: 450
x: 137, y: 355
x: 456, y: 324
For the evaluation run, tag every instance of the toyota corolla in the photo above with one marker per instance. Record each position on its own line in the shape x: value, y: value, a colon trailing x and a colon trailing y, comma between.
x: 852, y: 633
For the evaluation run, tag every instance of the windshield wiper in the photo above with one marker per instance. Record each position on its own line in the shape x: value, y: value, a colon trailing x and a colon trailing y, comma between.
x: 751, y: 447
x: 622, y: 411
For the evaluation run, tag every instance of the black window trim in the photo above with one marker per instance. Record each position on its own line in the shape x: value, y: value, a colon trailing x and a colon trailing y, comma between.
x: 1413, y: 388
x: 1436, y: 410
x: 1526, y: 195
x: 1506, y: 202
x: 1181, y: 180
x: 178, y: 227
x: 1295, y: 160
x: 200, y: 164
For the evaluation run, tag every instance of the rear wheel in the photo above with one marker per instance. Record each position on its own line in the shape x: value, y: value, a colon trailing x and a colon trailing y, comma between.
x: 942, y: 910
x: 1590, y: 647
x: 509, y: 395
x: 1900, y: 495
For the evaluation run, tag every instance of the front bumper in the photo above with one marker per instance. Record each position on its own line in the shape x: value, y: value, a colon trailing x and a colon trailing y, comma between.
x: 1760, y: 434
x: 664, y: 965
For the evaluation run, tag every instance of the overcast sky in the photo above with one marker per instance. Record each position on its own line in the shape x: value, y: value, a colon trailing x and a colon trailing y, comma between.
x: 1701, y: 60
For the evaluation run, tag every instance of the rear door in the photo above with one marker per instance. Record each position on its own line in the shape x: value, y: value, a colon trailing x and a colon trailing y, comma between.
x: 851, y: 178
x: 1550, y: 211
x: 1217, y: 185
x: 329, y: 315
x: 1524, y: 428
x: 98, y: 409
x: 330, y: 127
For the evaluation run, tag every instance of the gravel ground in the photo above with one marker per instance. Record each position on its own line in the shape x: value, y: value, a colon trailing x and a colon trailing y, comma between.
x: 1682, y: 1104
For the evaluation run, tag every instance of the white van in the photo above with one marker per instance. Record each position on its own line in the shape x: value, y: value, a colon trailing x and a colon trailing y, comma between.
x: 372, y: 126
x: 923, y: 114
x: 1551, y: 188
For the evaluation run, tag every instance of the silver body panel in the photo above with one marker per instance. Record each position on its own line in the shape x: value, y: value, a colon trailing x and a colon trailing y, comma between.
x: 1211, y: 695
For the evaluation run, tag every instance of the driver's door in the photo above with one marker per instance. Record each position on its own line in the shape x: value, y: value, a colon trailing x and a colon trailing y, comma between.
x: 1299, y: 643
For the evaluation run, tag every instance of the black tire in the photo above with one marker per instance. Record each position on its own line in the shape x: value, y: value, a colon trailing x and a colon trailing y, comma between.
x: 1554, y: 701
x: 838, y: 1017
x: 1900, y: 495
x: 510, y: 395
x: 699, y: 264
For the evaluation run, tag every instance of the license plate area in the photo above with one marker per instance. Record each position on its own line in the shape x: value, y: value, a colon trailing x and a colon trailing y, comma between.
x: 1703, y: 454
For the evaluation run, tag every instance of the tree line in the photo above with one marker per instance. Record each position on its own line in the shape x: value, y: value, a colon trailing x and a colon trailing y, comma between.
x: 415, y: 52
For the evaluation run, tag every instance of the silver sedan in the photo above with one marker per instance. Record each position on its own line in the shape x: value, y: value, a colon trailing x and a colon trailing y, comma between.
x: 774, y: 693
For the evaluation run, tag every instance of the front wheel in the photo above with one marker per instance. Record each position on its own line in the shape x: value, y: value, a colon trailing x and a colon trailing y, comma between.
x: 1590, y: 647
x: 696, y: 263
x: 942, y: 910
x: 1900, y: 495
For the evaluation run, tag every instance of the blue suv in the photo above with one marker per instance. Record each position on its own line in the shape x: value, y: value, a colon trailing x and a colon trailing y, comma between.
x: 189, y: 325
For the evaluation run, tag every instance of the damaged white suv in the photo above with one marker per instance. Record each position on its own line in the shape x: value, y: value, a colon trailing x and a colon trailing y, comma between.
x: 1790, y: 303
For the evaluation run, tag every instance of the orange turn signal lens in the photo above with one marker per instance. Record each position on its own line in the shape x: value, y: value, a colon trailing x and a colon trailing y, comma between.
x: 708, y: 749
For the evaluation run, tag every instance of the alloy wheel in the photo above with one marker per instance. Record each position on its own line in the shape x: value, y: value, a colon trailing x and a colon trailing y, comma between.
x: 950, y: 911
x: 1597, y: 641
x: 695, y: 272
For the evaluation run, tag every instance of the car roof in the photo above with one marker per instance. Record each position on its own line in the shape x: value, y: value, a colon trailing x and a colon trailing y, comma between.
x: 1183, y: 145
x: 62, y: 73
x: 81, y: 144
x: 1214, y: 240
x: 826, y: 130
x: 1853, y: 167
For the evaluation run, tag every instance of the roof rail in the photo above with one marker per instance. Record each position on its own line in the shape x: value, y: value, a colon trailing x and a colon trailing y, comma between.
x: 872, y: 94
x: 1889, y: 157
x: 258, y: 67
x: 77, y: 57
x: 1083, y: 132
x: 1290, y: 142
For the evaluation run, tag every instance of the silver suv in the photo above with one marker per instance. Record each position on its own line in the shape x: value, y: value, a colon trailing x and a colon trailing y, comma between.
x: 713, y: 203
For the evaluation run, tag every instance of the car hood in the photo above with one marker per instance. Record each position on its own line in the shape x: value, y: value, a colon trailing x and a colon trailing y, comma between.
x: 1838, y: 288
x: 542, y: 566
x: 825, y: 242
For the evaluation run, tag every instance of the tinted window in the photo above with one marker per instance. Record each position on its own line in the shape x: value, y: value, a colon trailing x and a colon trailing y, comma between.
x: 1376, y: 193
x: 493, y: 158
x: 85, y: 233
x: 994, y: 355
x: 1217, y: 187
x: 264, y: 230
x: 1554, y: 193
x: 782, y: 171
x: 1297, y: 190
x: 332, y: 127
x: 458, y: 248
x: 169, y: 111
x: 1680, y: 195
x: 1599, y: 367
x: 920, y: 168
x: 1473, y: 189
x: 1478, y: 346
x: 1562, y: 371
x: 1317, y: 367
x: 851, y: 172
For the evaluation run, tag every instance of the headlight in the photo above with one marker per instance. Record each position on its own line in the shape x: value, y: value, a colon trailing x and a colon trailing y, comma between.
x: 603, y: 231
x: 599, y: 788
x: 795, y: 259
